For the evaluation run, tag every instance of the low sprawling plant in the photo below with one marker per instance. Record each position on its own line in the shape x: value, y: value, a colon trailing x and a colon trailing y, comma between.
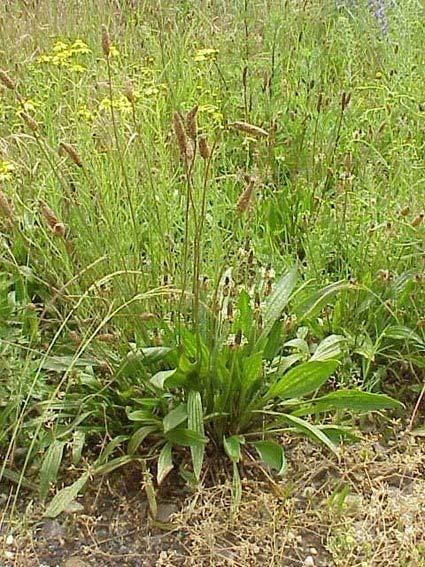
x: 235, y: 395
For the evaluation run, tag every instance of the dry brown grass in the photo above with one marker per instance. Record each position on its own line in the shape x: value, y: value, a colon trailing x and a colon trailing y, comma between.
x: 379, y: 522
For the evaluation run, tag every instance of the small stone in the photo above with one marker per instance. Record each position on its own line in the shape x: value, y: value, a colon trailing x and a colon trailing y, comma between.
x: 53, y: 530
x: 74, y: 507
x: 313, y: 551
x: 309, y: 561
x: 75, y: 562
x: 9, y: 540
x: 165, y: 511
x: 8, y: 555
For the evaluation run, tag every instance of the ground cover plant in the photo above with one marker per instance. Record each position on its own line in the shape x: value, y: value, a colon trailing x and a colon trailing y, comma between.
x: 212, y: 233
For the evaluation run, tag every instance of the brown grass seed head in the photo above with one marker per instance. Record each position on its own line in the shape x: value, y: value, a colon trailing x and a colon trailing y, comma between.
x: 129, y: 93
x: 191, y: 125
x: 250, y: 129
x: 180, y: 134
x: 106, y: 42
x: 30, y: 122
x: 71, y: 152
x: 7, y: 81
x: 244, y: 200
x: 417, y: 221
x: 57, y: 227
x: 6, y: 209
x: 203, y: 148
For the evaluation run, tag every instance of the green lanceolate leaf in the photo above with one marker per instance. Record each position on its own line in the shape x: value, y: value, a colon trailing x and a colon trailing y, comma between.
x: 159, y: 379
x: 354, y: 400
x: 309, y: 430
x: 175, y: 417
x: 165, y: 462
x: 78, y: 440
x: 329, y: 348
x: 232, y: 447
x: 195, y: 422
x: 403, y: 333
x: 139, y: 436
x: 184, y: 437
x: 303, y: 379
x: 110, y: 448
x: 236, y: 490
x: 278, y: 300
x: 65, y: 497
x: 271, y: 454
x: 317, y: 300
x: 113, y: 464
x: 50, y: 466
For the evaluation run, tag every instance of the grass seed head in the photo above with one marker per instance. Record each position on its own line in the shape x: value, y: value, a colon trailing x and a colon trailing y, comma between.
x: 245, y: 199
x: 250, y: 129
x: 57, y: 227
x: 417, y: 221
x: 180, y: 134
x: 129, y: 93
x: 6, y: 209
x: 203, y: 148
x: 106, y: 42
x: 191, y: 125
x: 7, y: 81
x: 30, y: 122
x: 71, y: 152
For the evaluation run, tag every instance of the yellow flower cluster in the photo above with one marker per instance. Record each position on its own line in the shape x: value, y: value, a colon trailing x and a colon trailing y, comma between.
x: 66, y: 55
x: 7, y: 169
x: 207, y: 54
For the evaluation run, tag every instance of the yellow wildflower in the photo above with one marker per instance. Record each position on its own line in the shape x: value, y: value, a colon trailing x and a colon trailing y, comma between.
x: 208, y: 54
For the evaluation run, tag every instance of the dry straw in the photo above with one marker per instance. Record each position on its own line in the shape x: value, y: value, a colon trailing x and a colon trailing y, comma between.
x: 250, y: 129
x: 71, y: 152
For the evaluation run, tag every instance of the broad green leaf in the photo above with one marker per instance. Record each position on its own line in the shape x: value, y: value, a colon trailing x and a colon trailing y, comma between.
x: 65, y: 496
x: 175, y: 417
x: 299, y: 344
x: 184, y: 437
x: 251, y: 369
x: 18, y: 479
x: 338, y: 434
x: 402, y: 333
x: 195, y: 422
x: 303, y: 379
x: 278, y: 300
x: 78, y: 440
x: 139, y: 436
x: 113, y: 464
x: 154, y: 354
x: 165, y: 463
x: 310, y: 430
x: 110, y: 448
x: 272, y: 454
x: 145, y: 415
x: 63, y: 363
x: 50, y: 466
x: 318, y: 299
x: 232, y: 447
x: 244, y: 316
x: 159, y: 379
x: 329, y: 348
x: 354, y: 400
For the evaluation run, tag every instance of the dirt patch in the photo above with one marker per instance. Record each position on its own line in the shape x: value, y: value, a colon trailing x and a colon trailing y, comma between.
x: 364, y: 510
